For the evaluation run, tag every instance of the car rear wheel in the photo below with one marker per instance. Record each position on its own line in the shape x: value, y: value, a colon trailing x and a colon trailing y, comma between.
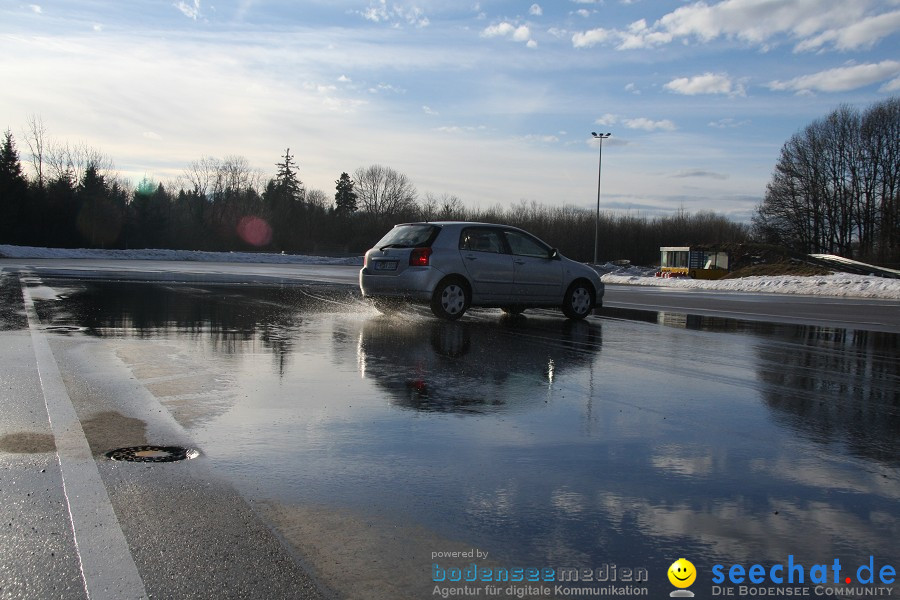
x: 450, y: 299
x: 578, y: 301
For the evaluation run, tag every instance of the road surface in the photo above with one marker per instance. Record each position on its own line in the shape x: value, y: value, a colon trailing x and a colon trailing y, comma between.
x: 343, y: 454
x: 874, y: 315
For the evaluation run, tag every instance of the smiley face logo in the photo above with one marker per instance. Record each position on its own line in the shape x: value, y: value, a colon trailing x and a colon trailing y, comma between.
x: 682, y: 573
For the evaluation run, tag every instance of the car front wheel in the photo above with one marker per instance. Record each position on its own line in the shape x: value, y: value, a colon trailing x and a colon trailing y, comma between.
x: 450, y: 299
x: 578, y: 301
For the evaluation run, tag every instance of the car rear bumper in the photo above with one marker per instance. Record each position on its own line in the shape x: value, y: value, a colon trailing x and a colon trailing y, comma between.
x: 413, y: 283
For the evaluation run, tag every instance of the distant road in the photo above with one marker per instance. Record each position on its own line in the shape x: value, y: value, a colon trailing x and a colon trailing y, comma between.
x: 824, y: 311
x: 854, y: 313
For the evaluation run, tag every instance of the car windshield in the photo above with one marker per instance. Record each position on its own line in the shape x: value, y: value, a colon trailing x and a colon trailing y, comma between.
x: 408, y: 236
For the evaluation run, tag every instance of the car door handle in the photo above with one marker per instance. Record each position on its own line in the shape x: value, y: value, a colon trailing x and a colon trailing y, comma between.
x: 470, y: 257
x: 519, y: 262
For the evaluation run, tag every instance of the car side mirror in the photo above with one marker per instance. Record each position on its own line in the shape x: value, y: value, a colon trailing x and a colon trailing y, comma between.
x: 554, y: 254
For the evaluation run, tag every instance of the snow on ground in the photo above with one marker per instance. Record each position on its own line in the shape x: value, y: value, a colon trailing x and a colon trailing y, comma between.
x: 853, y: 286
x: 840, y: 284
x: 189, y: 255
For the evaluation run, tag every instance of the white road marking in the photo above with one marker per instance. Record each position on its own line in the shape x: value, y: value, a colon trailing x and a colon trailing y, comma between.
x: 108, y: 570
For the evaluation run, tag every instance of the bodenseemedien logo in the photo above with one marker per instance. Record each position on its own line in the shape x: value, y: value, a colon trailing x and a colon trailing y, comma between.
x: 682, y: 574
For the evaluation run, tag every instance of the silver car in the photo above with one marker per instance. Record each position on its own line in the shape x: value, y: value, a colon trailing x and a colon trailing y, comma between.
x: 453, y: 265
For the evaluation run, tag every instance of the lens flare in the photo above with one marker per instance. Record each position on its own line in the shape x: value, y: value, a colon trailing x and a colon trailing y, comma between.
x: 254, y: 231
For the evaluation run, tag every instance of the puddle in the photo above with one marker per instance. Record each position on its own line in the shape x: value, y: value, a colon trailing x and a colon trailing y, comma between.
x: 109, y: 430
x: 631, y: 440
x: 27, y: 443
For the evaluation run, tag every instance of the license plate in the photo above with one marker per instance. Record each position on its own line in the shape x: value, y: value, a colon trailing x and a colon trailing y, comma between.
x: 385, y: 265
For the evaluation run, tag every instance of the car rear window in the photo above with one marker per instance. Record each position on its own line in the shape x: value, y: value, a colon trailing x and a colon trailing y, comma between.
x: 409, y: 236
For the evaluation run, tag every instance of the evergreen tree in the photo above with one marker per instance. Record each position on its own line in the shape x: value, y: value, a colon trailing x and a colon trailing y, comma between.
x: 100, y: 214
x: 148, y: 216
x: 287, y: 182
x: 58, y: 227
x: 284, y: 198
x: 13, y: 193
x: 345, y: 197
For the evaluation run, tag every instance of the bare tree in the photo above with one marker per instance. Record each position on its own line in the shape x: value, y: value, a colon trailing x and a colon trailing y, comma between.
x: 73, y: 160
x: 200, y: 176
x: 428, y: 208
x: 36, y: 138
x: 835, y: 185
x: 234, y: 174
x: 213, y: 178
x: 881, y: 136
x: 384, y: 192
x: 317, y: 198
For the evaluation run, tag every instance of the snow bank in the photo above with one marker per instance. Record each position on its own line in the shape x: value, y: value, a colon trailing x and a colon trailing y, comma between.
x: 189, y: 255
x: 843, y: 284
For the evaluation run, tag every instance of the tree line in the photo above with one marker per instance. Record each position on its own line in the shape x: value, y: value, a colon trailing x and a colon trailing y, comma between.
x: 836, y: 186
x: 74, y: 199
x: 834, y: 190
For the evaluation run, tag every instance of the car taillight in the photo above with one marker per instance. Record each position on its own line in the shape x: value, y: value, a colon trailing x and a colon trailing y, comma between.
x: 419, y: 257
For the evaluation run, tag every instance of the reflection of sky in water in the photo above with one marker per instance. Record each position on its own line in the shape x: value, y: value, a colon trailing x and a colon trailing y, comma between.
x: 614, y: 441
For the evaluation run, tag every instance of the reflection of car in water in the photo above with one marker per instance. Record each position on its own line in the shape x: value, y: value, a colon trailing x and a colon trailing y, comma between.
x: 473, y: 367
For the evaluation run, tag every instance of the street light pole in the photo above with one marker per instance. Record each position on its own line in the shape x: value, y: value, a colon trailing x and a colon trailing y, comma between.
x: 601, y: 137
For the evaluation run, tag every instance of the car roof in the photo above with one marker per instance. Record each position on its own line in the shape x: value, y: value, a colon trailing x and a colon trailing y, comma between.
x: 459, y: 223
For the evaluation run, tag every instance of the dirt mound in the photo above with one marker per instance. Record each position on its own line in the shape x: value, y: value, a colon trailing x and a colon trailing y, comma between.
x: 747, y: 260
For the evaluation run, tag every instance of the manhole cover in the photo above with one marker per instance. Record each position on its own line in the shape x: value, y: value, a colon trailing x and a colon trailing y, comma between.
x: 154, y: 454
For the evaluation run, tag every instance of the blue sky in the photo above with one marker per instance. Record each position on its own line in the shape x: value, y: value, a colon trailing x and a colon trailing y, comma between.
x: 492, y: 101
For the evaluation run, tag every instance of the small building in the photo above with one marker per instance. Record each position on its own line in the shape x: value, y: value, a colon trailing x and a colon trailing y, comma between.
x: 696, y: 263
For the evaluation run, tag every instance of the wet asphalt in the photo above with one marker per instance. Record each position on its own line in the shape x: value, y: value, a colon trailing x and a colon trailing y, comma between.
x: 339, y: 448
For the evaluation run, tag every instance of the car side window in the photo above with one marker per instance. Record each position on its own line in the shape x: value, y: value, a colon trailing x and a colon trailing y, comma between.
x: 479, y: 239
x: 524, y: 245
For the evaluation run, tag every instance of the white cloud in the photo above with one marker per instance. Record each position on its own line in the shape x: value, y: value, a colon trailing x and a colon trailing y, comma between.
x: 381, y: 87
x: 840, y: 79
x: 535, y: 10
x: 396, y: 14
x: 506, y: 29
x: 631, y: 87
x: 191, y: 11
x: 699, y: 173
x: 592, y: 37
x: 607, y: 119
x: 377, y: 13
x: 708, y: 83
x: 429, y: 111
x: 522, y: 34
x: 649, y: 124
x: 891, y: 86
x: 812, y: 24
x: 544, y: 139
x: 35, y: 8
x: 863, y: 34
x: 727, y: 123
